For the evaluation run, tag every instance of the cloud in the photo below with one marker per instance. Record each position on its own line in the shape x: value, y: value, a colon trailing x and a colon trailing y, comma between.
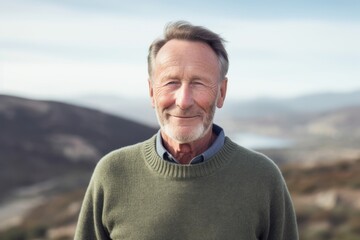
x: 55, y: 50
x: 56, y: 80
x: 286, y: 58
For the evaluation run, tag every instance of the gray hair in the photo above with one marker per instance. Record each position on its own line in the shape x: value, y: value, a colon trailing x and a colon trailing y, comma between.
x: 185, y: 31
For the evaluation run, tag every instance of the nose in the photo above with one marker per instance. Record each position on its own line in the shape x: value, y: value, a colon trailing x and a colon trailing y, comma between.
x: 184, y: 97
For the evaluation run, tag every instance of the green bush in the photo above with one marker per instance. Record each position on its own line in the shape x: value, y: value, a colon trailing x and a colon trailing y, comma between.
x: 37, y: 232
x: 14, y: 233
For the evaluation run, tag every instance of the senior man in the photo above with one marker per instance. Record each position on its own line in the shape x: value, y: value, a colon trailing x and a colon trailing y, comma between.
x: 189, y: 181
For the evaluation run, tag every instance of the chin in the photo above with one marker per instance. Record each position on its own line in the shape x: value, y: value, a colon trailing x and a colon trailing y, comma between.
x: 185, y: 136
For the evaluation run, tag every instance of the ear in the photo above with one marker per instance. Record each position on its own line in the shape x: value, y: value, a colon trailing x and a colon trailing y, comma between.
x: 223, y: 88
x: 151, y: 92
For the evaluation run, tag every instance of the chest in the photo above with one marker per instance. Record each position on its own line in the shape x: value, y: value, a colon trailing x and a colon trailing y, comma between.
x: 184, y: 210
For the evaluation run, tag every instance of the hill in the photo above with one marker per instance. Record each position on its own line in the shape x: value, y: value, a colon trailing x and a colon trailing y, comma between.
x: 307, y: 104
x: 327, y: 198
x: 41, y: 140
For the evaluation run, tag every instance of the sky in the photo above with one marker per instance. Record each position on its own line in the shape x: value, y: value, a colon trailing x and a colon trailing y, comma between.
x: 57, y: 49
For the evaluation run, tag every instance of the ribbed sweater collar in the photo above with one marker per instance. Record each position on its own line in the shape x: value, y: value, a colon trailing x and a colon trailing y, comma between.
x: 172, y: 170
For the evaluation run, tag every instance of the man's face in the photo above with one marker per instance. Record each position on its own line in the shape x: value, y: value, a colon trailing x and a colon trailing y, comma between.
x: 185, y: 89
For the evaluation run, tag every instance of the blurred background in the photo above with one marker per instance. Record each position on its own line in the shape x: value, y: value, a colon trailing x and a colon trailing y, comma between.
x: 73, y: 86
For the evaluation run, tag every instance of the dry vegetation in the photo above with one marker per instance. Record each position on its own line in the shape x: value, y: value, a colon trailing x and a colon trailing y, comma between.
x: 54, y: 219
x: 327, y: 199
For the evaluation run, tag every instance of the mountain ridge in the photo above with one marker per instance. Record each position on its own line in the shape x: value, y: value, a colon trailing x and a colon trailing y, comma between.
x: 233, y: 109
x: 41, y: 140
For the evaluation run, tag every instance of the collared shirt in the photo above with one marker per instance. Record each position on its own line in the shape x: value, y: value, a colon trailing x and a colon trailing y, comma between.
x: 214, y: 148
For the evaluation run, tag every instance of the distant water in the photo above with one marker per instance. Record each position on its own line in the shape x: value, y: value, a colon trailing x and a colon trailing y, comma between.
x: 257, y: 141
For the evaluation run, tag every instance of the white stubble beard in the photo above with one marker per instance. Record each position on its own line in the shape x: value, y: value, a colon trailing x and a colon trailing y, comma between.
x: 199, y: 131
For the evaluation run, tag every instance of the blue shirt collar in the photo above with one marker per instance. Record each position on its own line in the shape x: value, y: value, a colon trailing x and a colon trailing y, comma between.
x: 211, y: 151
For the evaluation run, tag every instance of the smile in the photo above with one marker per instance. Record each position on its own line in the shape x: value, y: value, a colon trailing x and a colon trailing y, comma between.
x: 185, y: 117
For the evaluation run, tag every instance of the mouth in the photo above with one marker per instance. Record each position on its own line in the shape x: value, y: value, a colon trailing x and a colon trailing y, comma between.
x: 184, y: 117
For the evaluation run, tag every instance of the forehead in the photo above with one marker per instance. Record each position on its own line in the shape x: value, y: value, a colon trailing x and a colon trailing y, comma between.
x: 187, y: 55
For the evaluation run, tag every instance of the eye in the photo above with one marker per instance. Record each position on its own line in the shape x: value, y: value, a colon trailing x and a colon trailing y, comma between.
x: 171, y: 82
x: 198, y: 83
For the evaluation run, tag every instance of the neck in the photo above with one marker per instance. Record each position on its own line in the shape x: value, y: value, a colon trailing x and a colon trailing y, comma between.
x: 185, y: 152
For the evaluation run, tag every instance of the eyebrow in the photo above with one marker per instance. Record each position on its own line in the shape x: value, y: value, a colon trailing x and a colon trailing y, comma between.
x: 168, y: 76
x: 175, y: 76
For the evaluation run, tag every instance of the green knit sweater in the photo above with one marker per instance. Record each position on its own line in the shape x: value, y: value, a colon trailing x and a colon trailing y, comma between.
x: 237, y: 194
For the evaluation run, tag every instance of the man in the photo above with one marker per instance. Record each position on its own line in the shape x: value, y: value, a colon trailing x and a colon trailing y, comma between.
x: 188, y: 181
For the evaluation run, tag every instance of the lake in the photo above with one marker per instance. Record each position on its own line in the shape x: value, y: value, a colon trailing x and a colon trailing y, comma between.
x: 257, y: 141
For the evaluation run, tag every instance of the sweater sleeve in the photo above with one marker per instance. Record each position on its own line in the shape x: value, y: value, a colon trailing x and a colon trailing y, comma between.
x: 90, y: 222
x: 283, y: 224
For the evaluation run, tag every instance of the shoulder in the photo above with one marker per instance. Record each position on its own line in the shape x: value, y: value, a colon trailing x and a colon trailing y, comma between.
x: 255, y: 162
x: 119, y: 159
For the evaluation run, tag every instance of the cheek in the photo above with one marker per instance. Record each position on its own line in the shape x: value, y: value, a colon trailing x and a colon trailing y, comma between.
x: 206, y: 99
x: 163, y: 99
